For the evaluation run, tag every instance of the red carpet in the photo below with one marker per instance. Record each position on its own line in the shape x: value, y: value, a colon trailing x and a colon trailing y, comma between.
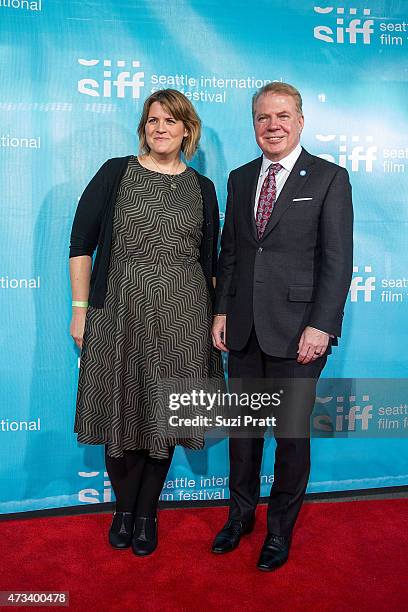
x: 345, y: 556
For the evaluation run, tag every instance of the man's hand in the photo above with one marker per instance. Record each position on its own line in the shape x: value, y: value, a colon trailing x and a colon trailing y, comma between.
x: 218, y: 332
x: 312, y: 345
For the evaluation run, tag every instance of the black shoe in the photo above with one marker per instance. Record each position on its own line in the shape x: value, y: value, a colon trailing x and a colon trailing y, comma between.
x: 229, y: 536
x: 274, y: 553
x: 144, y: 540
x: 121, y: 530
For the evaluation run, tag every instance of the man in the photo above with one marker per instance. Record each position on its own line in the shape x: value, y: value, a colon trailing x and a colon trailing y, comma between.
x: 284, y: 273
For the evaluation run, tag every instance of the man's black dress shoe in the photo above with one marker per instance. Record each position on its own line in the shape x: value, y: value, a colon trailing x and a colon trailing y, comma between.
x: 121, y: 530
x: 144, y: 540
x: 229, y: 536
x: 274, y: 553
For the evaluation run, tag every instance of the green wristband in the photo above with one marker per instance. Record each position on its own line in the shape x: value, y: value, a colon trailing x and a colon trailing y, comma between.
x: 80, y: 304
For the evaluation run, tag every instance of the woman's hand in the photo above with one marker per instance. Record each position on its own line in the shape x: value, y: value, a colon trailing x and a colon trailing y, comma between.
x: 80, y: 269
x: 78, y: 325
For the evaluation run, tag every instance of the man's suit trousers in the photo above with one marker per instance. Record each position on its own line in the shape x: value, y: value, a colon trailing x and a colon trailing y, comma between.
x: 251, y: 370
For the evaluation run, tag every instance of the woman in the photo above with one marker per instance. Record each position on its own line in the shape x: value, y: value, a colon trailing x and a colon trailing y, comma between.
x: 142, y: 314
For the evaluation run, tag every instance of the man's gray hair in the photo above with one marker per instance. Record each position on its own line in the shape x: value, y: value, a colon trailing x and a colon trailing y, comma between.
x: 278, y: 88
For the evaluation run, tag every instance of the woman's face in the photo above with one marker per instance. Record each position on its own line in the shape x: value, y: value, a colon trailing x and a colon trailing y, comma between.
x: 164, y: 134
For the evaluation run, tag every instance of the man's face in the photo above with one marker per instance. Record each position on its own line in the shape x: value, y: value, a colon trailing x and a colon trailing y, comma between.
x: 277, y: 125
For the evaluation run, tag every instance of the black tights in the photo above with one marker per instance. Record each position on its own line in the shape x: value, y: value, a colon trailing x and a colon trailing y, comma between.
x: 137, y: 480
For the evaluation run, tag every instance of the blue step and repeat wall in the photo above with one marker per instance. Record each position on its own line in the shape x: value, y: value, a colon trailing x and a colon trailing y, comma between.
x: 73, y: 79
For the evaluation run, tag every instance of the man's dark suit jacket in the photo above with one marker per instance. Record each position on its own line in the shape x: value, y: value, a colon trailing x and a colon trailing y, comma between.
x: 299, y: 273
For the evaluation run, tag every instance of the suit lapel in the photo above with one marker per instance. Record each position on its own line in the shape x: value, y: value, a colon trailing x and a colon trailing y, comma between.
x: 252, y: 183
x: 295, y: 181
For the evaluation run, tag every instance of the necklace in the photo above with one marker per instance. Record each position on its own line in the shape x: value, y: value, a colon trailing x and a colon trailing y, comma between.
x: 173, y: 184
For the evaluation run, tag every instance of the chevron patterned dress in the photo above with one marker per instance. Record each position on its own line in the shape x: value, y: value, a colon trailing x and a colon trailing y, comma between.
x: 156, y: 320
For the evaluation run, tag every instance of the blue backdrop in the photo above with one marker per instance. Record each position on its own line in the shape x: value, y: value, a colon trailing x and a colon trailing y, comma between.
x: 74, y: 76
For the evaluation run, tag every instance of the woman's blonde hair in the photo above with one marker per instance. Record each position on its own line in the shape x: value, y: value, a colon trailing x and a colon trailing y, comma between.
x: 181, y: 109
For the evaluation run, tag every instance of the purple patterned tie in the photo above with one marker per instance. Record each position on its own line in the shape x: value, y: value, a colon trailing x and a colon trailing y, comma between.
x: 267, y: 199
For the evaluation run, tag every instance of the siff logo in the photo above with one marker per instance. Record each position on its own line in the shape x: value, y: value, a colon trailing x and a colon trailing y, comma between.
x: 355, y: 418
x: 91, y: 495
x: 350, y: 156
x: 366, y: 286
x: 124, y: 80
x: 355, y: 27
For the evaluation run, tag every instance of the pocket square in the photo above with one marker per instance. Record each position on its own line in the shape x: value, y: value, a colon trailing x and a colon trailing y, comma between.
x: 301, y: 199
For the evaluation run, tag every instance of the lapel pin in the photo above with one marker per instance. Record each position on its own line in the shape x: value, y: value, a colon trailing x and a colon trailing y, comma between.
x: 302, y: 173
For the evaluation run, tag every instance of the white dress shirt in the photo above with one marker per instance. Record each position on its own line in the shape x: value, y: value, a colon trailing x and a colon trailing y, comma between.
x: 282, y: 176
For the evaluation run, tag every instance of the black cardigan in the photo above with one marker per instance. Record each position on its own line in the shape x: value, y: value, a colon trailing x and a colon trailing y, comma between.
x: 93, y: 224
